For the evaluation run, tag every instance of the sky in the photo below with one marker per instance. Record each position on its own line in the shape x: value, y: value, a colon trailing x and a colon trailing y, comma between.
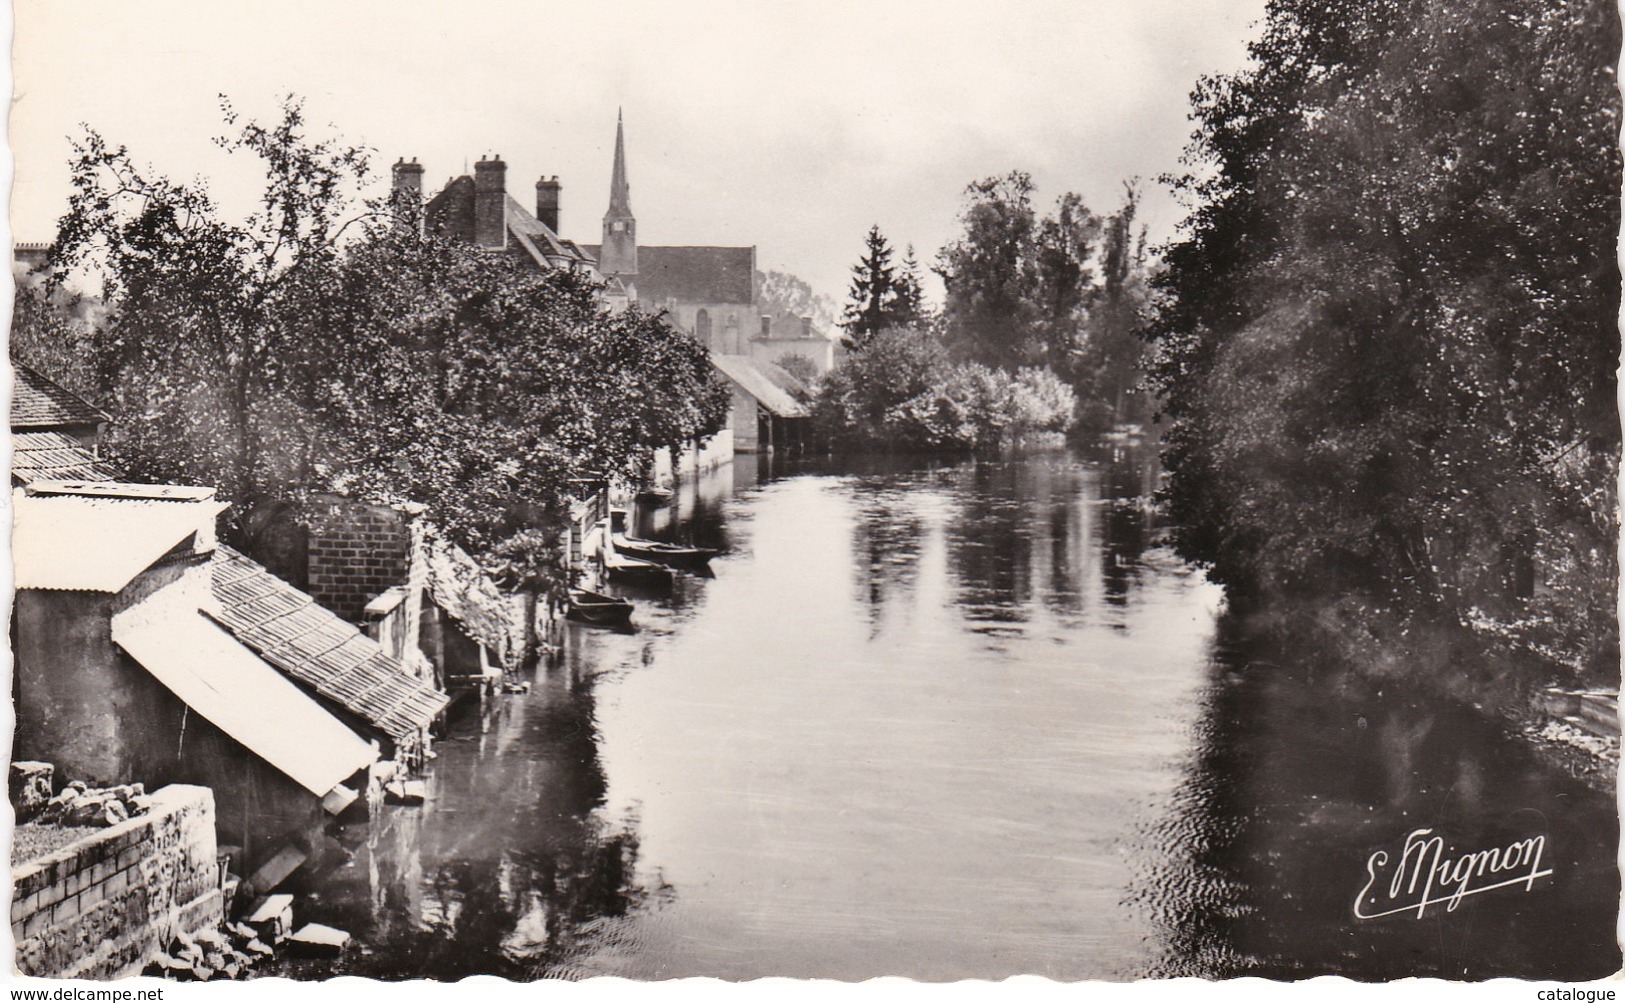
x: 792, y: 126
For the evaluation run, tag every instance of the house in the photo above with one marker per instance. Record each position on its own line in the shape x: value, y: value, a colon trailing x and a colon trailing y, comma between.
x: 768, y: 412
x: 55, y: 433
x: 815, y: 350
x: 120, y: 674
x: 478, y: 210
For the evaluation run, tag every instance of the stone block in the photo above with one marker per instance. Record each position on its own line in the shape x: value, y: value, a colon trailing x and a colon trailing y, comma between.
x: 316, y: 940
x: 30, y: 788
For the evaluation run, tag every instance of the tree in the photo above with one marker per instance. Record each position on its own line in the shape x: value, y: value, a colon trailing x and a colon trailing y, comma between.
x: 1388, y: 339
x: 872, y: 301
x: 1017, y: 284
x: 274, y: 361
x: 911, y: 309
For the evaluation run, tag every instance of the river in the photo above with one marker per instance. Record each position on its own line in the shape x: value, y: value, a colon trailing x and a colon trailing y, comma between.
x: 954, y: 721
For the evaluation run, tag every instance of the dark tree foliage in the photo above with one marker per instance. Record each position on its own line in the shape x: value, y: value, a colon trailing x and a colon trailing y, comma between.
x: 872, y: 303
x: 1018, y: 284
x: 1387, y: 339
x: 911, y: 310
x: 276, y: 359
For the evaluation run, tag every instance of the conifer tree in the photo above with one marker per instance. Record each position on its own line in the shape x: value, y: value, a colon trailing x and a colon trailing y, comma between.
x: 910, y: 310
x: 872, y: 303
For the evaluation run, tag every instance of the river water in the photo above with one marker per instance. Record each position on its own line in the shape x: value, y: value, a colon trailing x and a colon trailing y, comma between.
x: 954, y: 721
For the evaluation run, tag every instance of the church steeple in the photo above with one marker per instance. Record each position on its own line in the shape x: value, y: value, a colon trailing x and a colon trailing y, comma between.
x: 619, y: 253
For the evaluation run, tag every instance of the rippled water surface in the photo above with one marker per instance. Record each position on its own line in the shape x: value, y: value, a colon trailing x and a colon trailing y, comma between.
x: 964, y: 721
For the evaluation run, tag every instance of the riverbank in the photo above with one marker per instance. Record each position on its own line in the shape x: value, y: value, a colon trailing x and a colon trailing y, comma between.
x: 1453, y: 664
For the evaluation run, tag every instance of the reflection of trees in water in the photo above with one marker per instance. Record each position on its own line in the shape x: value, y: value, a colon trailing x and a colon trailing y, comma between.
x: 511, y: 869
x: 887, y: 534
x: 990, y: 544
x: 1300, y: 772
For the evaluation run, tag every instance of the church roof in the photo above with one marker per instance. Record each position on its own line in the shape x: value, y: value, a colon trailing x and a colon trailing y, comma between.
x: 693, y: 274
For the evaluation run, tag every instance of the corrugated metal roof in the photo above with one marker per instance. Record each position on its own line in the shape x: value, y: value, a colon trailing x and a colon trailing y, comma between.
x: 37, y: 402
x: 241, y: 695
x: 78, y: 543
x: 315, y: 647
x: 39, y: 456
x: 462, y: 588
x: 768, y: 383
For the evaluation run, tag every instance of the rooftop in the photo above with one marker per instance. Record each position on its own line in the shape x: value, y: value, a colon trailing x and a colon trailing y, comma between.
x: 693, y: 274
x: 773, y: 387
x: 50, y: 455
x: 39, y: 403
x: 461, y: 588
x: 83, y: 543
x: 315, y: 647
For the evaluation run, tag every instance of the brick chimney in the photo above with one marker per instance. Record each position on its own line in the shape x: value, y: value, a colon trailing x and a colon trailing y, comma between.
x: 806, y: 327
x: 490, y: 194
x: 767, y: 326
x: 547, y: 202
x: 406, y: 191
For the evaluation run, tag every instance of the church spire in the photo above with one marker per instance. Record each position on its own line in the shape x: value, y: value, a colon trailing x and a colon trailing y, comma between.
x: 619, y: 253
x: 620, y: 193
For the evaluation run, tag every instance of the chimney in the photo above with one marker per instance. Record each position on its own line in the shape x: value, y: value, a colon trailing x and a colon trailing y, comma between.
x: 406, y: 191
x: 767, y: 326
x: 547, y: 202
x: 806, y: 327
x: 490, y: 194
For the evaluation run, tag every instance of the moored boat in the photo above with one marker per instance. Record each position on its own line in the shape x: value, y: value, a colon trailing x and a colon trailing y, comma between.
x: 598, y: 609
x: 621, y: 568
x: 665, y: 553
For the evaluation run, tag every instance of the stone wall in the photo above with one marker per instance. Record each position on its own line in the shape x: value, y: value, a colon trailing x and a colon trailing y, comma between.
x: 102, y: 907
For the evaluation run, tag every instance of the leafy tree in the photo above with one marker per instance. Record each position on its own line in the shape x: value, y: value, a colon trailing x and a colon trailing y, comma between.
x: 902, y: 391
x: 1388, y: 339
x: 275, y: 361
x: 872, y: 303
x: 1017, y: 284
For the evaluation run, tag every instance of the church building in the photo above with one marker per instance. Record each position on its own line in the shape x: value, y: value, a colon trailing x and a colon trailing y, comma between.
x: 709, y: 292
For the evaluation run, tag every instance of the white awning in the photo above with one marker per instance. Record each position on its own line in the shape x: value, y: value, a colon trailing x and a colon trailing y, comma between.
x: 242, y: 696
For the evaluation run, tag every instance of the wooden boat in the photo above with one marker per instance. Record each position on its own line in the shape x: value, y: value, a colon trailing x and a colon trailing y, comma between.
x: 654, y: 495
x: 598, y: 609
x: 674, y: 554
x: 621, y: 568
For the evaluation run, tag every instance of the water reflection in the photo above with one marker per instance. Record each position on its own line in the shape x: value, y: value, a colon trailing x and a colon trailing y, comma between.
x: 511, y: 863
x: 951, y: 721
x: 1300, y: 774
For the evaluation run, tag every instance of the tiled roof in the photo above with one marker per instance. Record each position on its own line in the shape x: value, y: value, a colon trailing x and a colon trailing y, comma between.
x: 693, y: 274
x: 537, y: 239
x: 313, y: 646
x: 772, y: 387
x: 37, y: 402
x: 54, y: 456
x: 462, y: 588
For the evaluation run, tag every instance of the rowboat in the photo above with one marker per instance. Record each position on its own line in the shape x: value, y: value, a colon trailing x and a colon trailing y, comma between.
x: 674, y: 554
x: 598, y: 609
x: 621, y: 568
x: 654, y: 495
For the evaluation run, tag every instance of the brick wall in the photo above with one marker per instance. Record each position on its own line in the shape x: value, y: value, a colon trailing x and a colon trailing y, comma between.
x: 356, y: 552
x: 102, y: 907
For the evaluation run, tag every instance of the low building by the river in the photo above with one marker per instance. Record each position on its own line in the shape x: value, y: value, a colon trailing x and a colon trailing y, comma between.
x: 769, y: 410
x: 129, y: 665
x: 428, y: 602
